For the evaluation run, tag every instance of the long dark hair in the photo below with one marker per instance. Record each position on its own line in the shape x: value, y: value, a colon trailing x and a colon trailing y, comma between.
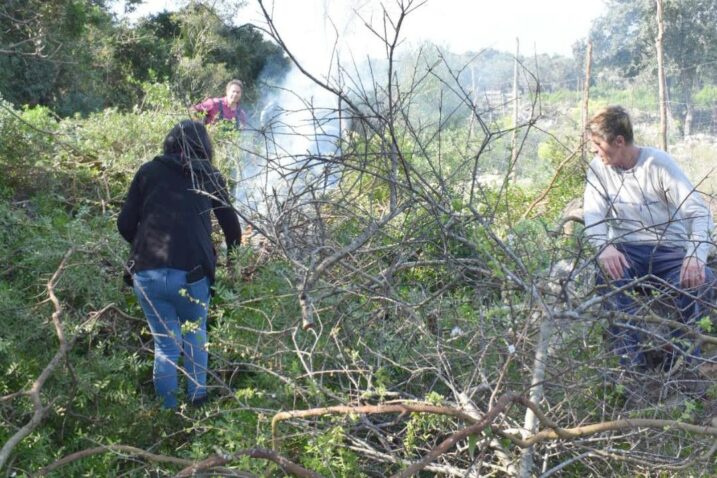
x: 190, y: 139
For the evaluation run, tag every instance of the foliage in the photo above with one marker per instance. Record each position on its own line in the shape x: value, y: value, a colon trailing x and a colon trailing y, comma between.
x: 639, y: 98
x: 327, y: 454
x: 44, y: 39
x: 75, y: 57
x: 706, y: 97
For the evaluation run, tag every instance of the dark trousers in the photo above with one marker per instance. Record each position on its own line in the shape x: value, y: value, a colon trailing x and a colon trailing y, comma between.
x: 664, y: 263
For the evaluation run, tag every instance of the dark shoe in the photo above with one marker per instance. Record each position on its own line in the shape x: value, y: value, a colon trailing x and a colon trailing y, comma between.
x: 199, y: 401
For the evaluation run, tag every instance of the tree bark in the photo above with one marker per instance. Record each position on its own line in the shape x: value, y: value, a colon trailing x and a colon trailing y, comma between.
x: 689, y: 83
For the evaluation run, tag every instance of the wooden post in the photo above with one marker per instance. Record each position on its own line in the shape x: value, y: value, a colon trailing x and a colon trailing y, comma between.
x: 661, y: 76
x: 472, y: 117
x: 514, y: 144
x: 585, y: 137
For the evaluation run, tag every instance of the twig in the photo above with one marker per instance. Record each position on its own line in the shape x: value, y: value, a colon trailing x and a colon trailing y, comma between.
x: 566, y: 463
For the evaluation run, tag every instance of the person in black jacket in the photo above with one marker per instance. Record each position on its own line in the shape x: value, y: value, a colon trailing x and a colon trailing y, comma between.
x: 166, y: 219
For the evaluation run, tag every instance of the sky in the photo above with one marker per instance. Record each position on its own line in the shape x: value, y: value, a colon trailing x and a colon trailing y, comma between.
x: 543, y: 26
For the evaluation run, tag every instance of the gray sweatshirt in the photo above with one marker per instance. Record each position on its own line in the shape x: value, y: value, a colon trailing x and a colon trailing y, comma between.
x: 651, y: 203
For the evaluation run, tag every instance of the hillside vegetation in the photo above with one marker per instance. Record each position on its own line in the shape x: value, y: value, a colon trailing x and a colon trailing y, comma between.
x: 422, y: 310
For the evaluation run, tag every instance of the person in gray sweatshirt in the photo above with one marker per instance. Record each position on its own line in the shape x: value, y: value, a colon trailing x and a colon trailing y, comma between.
x: 649, y: 227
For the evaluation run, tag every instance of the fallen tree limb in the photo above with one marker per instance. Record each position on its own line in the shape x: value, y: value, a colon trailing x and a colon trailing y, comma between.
x: 125, y: 449
x: 446, y: 470
x: 553, y: 432
x: 39, y: 410
x: 501, y: 405
x: 191, y: 467
x: 616, y: 425
x: 410, y: 407
x: 260, y: 453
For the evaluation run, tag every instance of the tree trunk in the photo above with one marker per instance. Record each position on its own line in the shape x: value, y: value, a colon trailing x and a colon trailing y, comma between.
x: 689, y: 84
x: 688, y: 118
x: 661, y: 76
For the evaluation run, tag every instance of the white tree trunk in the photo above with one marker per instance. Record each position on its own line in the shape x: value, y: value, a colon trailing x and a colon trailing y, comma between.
x: 536, y: 391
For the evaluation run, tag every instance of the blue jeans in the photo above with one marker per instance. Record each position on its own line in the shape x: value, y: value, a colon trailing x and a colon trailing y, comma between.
x: 177, y: 315
x: 662, y: 262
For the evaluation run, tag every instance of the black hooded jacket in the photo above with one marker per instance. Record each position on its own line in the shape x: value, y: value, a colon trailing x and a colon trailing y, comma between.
x: 166, y: 216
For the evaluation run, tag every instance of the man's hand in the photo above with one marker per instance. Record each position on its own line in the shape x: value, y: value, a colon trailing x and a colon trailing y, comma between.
x: 692, y: 273
x: 613, y: 262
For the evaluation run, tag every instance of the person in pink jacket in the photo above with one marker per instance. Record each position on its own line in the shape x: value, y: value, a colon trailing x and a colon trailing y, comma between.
x: 226, y: 108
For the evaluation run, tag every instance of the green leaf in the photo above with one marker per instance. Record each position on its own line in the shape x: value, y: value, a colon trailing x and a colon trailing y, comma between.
x: 472, y: 441
x: 705, y: 324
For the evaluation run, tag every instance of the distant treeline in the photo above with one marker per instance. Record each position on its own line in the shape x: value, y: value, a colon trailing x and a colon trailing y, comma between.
x: 75, y: 56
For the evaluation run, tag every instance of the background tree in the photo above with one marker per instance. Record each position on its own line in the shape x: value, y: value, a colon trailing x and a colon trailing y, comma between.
x: 624, y: 48
x: 198, y: 50
x: 55, y: 55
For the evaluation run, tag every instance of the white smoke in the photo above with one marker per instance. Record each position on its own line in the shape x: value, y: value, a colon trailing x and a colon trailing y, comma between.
x: 294, y: 143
